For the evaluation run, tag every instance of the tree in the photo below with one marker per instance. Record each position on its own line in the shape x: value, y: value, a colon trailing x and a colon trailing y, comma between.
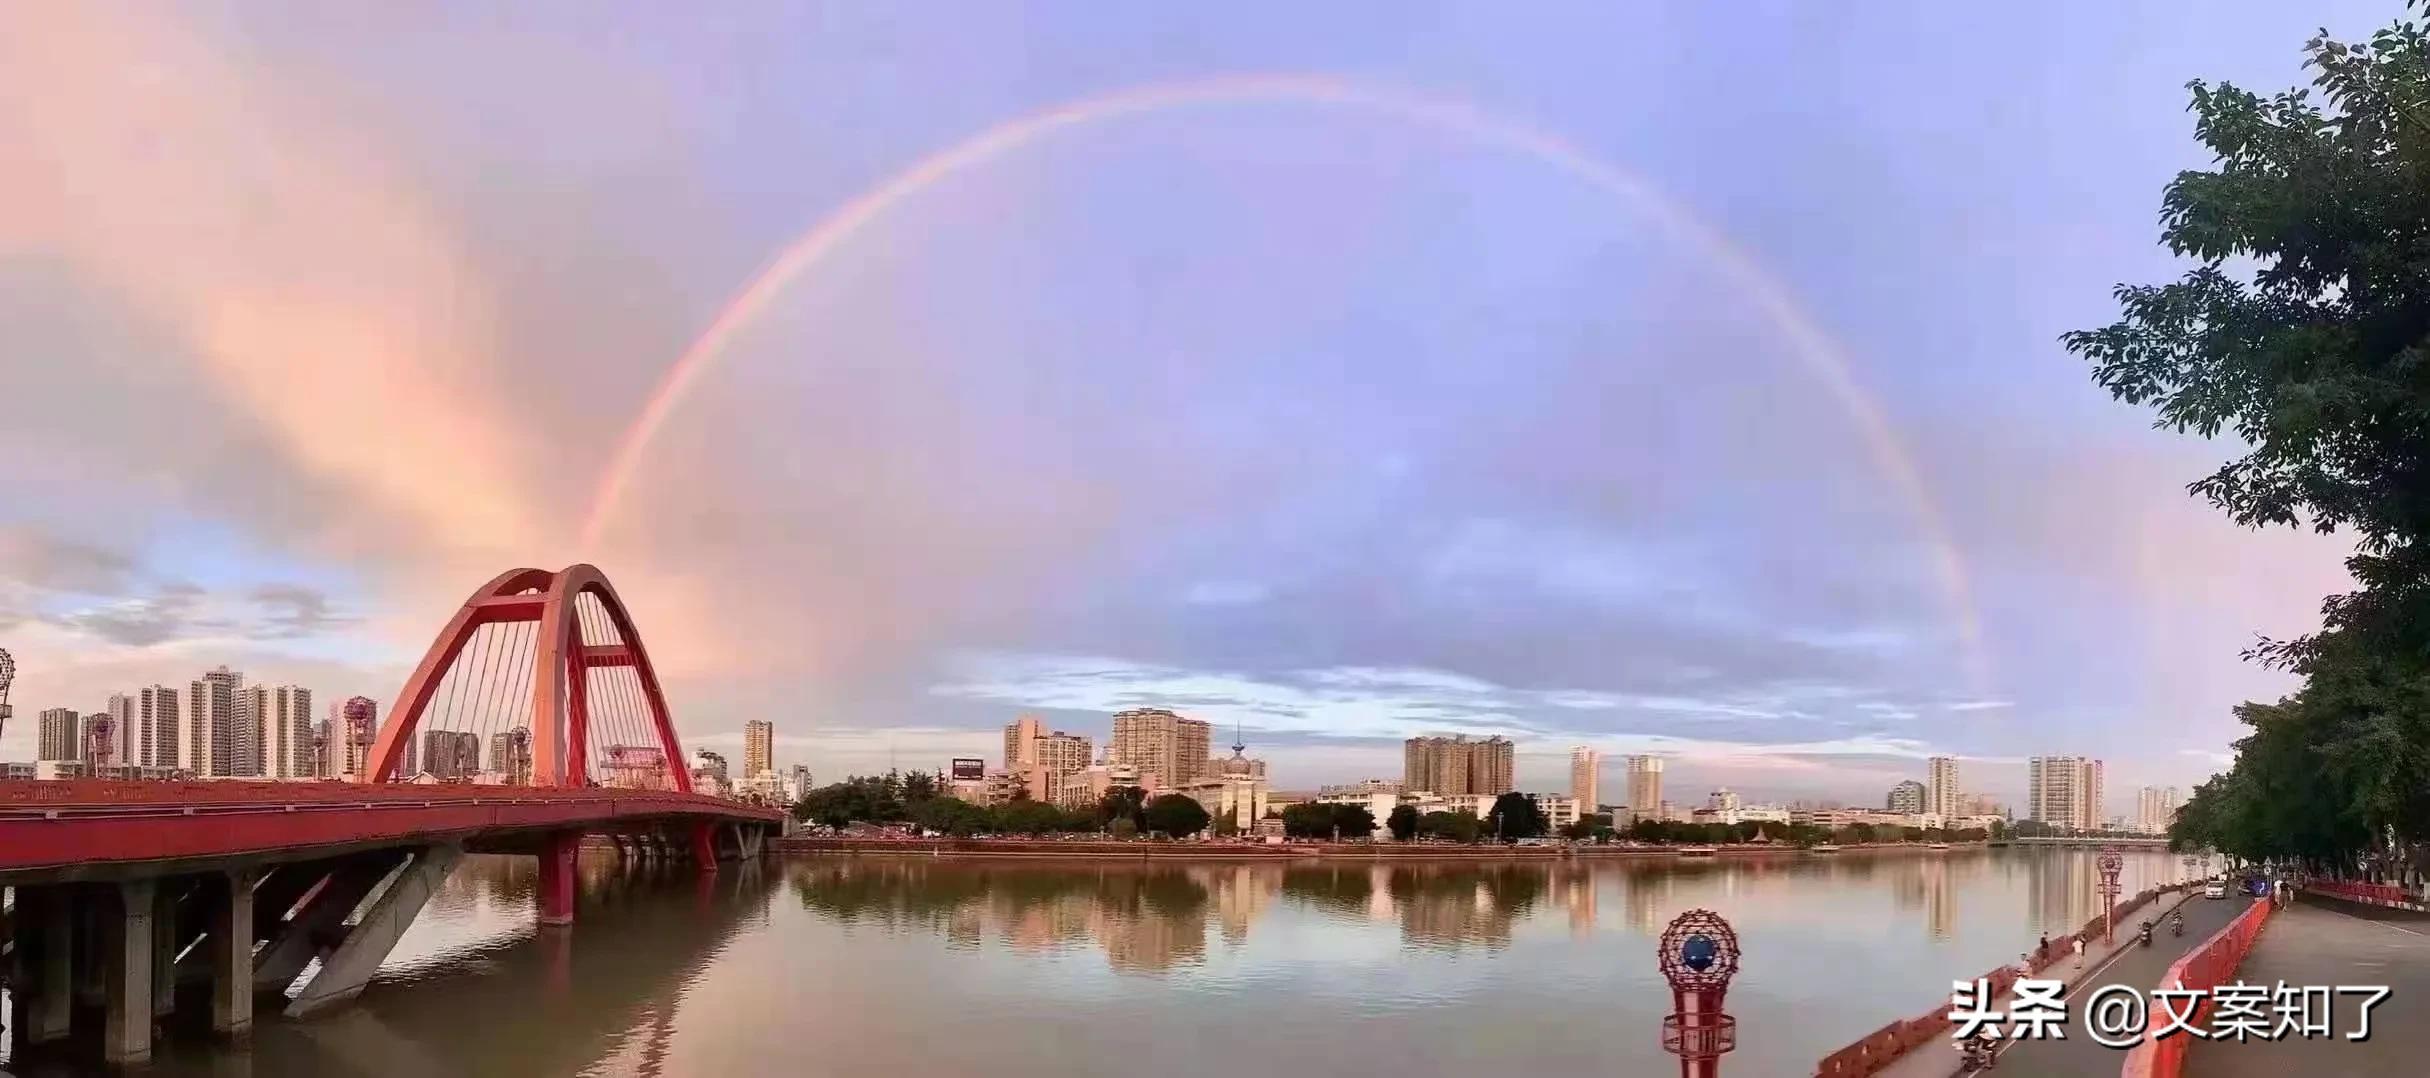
x: 1353, y: 822
x: 1176, y: 815
x: 1515, y: 817
x: 1403, y: 822
x: 2304, y: 329
x: 1450, y: 826
x: 1123, y: 803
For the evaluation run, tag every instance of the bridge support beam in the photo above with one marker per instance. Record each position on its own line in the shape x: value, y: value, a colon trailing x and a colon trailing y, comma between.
x: 556, y: 894
x: 131, y: 953
x: 294, y: 943
x: 165, y: 894
x: 347, y: 968
x: 232, y: 952
x: 704, y: 845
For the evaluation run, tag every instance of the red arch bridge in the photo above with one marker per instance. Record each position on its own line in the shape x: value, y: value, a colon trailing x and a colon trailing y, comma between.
x: 128, y: 892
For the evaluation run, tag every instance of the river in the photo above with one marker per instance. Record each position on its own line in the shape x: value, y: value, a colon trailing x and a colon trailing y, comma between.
x: 872, y: 965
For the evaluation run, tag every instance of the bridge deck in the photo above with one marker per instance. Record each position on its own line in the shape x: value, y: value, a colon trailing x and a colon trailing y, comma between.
x: 101, y: 830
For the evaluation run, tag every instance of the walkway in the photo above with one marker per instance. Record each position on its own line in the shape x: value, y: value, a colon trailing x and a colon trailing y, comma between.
x: 2319, y: 942
x: 2078, y: 1055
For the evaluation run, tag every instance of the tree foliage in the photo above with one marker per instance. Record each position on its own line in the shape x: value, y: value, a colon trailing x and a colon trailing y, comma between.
x: 2303, y: 329
x: 1175, y: 816
x: 1315, y: 819
x: 1403, y: 822
x: 1513, y: 817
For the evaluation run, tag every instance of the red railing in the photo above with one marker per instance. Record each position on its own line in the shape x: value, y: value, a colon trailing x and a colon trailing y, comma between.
x: 1880, y: 1048
x: 2377, y: 894
x: 2206, y: 967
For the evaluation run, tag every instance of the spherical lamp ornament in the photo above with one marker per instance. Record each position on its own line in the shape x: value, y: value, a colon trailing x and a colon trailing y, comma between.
x: 1699, y: 955
x: 1699, y: 951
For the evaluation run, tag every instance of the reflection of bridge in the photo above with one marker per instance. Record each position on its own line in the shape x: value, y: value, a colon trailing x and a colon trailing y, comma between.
x: 125, y: 891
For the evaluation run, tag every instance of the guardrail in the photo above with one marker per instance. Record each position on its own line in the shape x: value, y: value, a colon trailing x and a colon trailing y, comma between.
x: 2207, y: 966
x: 2388, y: 895
x: 1882, y: 1047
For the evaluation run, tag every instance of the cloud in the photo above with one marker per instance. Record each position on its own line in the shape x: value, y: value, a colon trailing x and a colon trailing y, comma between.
x: 174, y: 612
x: 39, y: 559
x: 292, y: 611
x: 1980, y: 705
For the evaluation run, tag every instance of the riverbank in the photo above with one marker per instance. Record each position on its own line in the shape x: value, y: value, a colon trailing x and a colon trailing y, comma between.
x: 1236, y: 852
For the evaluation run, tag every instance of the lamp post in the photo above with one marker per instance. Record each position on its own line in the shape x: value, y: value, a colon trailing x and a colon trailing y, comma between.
x: 2109, y: 863
x: 8, y: 673
x: 1699, y: 955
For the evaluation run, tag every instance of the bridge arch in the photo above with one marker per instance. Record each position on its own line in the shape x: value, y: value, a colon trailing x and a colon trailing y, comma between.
x: 560, y: 685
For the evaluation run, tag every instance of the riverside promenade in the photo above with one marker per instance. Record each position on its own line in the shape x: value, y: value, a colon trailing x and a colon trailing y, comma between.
x: 2322, y: 941
x: 2102, y: 964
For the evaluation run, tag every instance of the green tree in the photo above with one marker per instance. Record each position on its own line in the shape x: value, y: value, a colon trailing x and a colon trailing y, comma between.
x: 1515, y: 817
x: 1123, y: 803
x: 1176, y: 815
x: 1403, y: 822
x: 1450, y: 826
x: 2303, y: 328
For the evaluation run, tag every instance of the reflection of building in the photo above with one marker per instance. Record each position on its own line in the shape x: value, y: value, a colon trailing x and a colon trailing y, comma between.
x: 1906, y: 797
x: 2064, y: 792
x: 1585, y: 778
x: 1645, y: 787
x: 1167, y: 749
x: 1940, y: 899
x: 1456, y: 765
x: 1576, y: 889
x: 1941, y: 796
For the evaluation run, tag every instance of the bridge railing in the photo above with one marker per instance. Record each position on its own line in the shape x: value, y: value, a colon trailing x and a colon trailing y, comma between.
x: 2210, y: 964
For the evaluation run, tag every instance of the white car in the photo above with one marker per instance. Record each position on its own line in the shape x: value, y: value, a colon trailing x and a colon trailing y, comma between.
x: 2214, y: 889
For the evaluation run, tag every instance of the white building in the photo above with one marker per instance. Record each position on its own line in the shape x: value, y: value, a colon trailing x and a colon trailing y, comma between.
x: 58, y: 735
x: 1941, y: 795
x: 1558, y: 811
x: 212, y: 745
x: 1722, y: 799
x: 157, y: 727
x: 1379, y: 805
x: 1585, y: 777
x: 281, y: 716
x: 126, y: 744
x: 1645, y: 787
x: 2064, y: 792
x: 2155, y: 809
x: 1907, y: 797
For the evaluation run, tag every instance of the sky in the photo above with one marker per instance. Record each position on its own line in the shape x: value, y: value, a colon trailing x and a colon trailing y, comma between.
x: 1668, y: 377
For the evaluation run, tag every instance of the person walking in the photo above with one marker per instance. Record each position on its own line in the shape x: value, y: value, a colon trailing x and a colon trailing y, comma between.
x: 2041, y: 949
x: 2079, y: 950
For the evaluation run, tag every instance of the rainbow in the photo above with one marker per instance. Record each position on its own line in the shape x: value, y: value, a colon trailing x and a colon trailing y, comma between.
x: 1813, y: 349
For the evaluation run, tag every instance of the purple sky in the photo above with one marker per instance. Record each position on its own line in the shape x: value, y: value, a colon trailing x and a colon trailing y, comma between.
x: 1340, y: 422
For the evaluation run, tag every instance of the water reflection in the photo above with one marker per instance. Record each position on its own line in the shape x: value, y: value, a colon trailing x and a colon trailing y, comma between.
x: 849, y: 963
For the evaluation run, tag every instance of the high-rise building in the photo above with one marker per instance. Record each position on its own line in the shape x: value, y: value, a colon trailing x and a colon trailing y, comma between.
x: 1907, y: 797
x: 1585, y: 775
x: 211, y: 724
x: 2064, y: 792
x: 1456, y: 766
x: 59, y: 735
x: 353, y: 725
x: 1645, y: 787
x: 1941, y: 795
x: 510, y: 756
x: 451, y: 755
x: 1724, y: 800
x: 124, y: 748
x: 281, y: 718
x: 1020, y: 743
x: 759, y: 748
x: 157, y: 735
x: 97, y: 736
x: 2155, y: 809
x: 1168, y: 750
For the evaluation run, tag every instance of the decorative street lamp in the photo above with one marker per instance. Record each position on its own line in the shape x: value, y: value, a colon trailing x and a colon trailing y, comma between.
x: 1699, y: 955
x: 2109, y: 863
x: 8, y: 673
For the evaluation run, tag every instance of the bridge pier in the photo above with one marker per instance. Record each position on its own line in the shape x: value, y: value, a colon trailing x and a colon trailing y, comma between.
x: 557, y: 879
x: 131, y: 950
x: 327, y: 900
x: 349, y: 966
x: 46, y: 948
x: 231, y: 930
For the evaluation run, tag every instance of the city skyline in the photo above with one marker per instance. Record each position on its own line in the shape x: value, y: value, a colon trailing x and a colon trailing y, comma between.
x: 1751, y: 477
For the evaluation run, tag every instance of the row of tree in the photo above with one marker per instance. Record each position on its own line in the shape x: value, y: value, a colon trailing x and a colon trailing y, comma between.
x: 918, y: 800
x: 2303, y: 330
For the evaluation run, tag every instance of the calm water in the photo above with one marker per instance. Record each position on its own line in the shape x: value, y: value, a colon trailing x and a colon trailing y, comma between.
x: 922, y: 967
